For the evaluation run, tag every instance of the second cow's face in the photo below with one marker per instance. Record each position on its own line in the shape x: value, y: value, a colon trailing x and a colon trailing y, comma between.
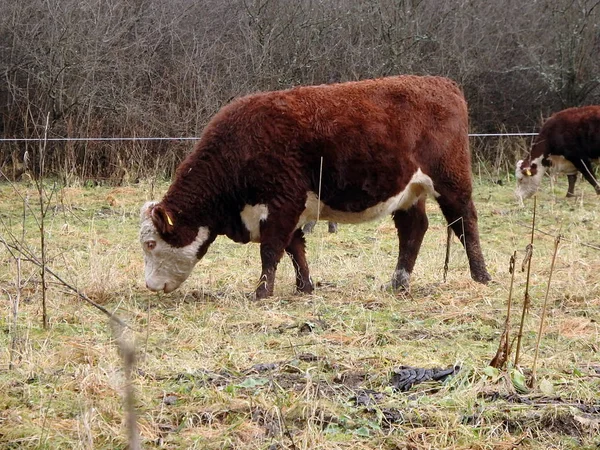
x: 166, y: 266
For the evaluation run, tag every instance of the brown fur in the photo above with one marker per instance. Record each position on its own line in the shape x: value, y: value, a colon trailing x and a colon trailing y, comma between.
x: 371, y: 136
x: 573, y: 133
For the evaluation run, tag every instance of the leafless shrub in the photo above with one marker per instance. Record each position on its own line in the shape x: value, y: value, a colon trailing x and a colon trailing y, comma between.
x: 148, y: 68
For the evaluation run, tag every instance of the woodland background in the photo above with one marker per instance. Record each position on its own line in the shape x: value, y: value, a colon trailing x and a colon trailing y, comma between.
x: 126, y: 68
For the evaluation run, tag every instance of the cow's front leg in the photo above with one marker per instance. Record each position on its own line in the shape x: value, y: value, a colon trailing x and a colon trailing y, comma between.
x: 411, y: 225
x: 276, y: 234
x: 297, y: 252
x: 270, y: 255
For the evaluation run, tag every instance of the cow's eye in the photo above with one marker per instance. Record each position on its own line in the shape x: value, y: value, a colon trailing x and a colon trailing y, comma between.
x: 150, y: 245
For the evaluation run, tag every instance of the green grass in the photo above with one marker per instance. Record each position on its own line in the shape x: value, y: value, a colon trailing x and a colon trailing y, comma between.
x: 195, y: 347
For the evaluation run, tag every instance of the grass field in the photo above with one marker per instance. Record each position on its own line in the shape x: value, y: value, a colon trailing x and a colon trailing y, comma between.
x: 216, y: 370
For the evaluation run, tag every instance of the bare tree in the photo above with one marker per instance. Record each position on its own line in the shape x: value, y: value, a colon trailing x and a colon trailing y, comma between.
x: 151, y: 68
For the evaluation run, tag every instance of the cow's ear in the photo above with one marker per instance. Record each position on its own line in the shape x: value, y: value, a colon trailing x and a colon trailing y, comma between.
x: 146, y: 210
x: 163, y: 220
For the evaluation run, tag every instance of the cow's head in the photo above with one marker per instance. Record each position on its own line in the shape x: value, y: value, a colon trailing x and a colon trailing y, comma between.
x: 529, y: 175
x: 168, y: 264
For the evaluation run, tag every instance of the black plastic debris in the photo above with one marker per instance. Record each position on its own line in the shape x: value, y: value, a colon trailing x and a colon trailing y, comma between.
x: 405, y: 377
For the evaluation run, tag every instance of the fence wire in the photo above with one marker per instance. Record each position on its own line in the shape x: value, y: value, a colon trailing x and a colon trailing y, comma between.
x: 190, y: 138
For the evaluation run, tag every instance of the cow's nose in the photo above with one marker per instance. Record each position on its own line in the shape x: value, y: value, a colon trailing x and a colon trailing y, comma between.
x: 154, y: 288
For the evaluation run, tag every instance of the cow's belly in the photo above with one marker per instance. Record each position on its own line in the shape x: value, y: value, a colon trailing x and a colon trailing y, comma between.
x: 561, y: 164
x: 418, y: 187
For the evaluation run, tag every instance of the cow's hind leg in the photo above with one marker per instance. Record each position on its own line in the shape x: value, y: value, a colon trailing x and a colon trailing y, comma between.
x: 297, y: 252
x: 585, y: 167
x: 571, y: 188
x: 462, y: 218
x: 309, y: 226
x: 411, y: 225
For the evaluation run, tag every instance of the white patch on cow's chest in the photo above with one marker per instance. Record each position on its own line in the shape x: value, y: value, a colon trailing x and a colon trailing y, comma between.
x: 252, y: 216
x: 419, y: 186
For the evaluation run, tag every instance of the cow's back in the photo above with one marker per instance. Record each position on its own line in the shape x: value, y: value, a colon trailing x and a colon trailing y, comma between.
x: 359, y: 143
x: 573, y: 130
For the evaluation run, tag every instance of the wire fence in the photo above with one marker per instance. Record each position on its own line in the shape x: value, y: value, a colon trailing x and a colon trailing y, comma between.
x: 191, y: 138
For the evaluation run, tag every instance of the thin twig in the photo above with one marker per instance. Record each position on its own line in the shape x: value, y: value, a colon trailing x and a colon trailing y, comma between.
x: 583, y: 244
x: 31, y: 258
x: 526, y: 299
x: 40, y: 188
x: 504, y: 347
x: 147, y: 328
x: 127, y: 352
x: 15, y: 316
x: 447, y: 258
x: 542, y: 319
x: 462, y: 238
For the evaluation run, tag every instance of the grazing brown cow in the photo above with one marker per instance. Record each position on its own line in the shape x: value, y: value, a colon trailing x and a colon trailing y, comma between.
x: 568, y: 142
x: 374, y: 148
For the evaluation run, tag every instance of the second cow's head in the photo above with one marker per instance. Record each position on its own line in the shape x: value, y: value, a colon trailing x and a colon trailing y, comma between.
x: 529, y: 175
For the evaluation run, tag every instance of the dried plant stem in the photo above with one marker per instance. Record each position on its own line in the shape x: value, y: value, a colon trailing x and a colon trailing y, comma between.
x: 503, y: 352
x: 461, y: 238
x: 320, y: 251
x: 15, y: 317
x: 127, y: 352
x: 31, y: 258
x: 43, y: 209
x: 147, y: 328
x: 526, y: 299
x: 447, y: 258
x: 543, y: 318
x: 564, y: 239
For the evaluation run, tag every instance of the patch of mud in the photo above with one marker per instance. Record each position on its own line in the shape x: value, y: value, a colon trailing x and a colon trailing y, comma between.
x: 351, y: 380
x: 555, y: 415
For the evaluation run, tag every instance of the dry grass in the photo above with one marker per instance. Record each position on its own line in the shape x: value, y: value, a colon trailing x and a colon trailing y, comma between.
x: 196, y: 347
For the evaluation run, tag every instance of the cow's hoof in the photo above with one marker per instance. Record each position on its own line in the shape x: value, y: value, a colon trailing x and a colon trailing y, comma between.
x: 483, y: 278
x: 572, y: 195
x: 400, y: 280
x: 392, y: 288
x: 305, y: 289
x: 260, y: 294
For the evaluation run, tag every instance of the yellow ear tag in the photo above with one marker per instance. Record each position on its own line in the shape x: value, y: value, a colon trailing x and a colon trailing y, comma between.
x: 527, y: 172
x: 169, y: 221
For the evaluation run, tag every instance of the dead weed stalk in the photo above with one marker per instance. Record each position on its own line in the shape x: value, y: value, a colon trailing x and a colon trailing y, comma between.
x: 526, y: 299
x: 532, y: 380
x: 503, y: 353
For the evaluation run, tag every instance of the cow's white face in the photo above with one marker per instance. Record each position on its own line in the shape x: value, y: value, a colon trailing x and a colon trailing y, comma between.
x: 166, y: 267
x: 529, y: 178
